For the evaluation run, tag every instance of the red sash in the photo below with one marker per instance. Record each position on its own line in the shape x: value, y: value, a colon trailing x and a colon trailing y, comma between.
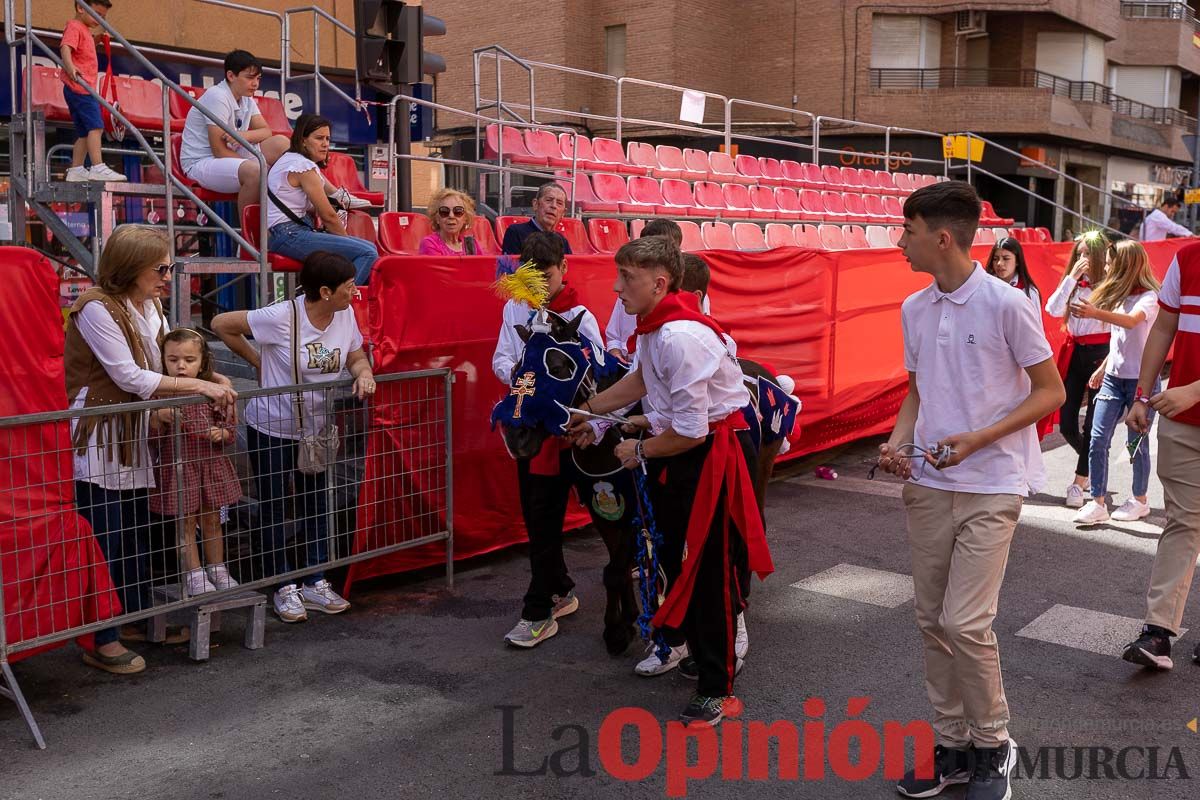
x: 725, y: 466
x: 675, y: 306
x: 1063, y: 362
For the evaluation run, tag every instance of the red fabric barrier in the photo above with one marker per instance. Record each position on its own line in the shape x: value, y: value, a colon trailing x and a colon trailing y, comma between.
x: 54, y: 575
x: 830, y: 320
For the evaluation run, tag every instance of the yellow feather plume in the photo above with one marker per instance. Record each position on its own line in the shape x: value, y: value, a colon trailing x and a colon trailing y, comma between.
x: 525, y: 285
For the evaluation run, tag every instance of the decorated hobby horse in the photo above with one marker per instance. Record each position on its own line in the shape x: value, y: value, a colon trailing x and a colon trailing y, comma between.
x: 559, y: 370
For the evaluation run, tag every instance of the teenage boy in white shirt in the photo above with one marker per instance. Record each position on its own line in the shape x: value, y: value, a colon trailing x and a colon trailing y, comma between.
x: 621, y: 323
x: 980, y: 374
x: 696, y: 460
x: 208, y: 155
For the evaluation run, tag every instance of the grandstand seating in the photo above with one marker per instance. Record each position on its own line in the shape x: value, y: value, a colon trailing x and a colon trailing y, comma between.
x: 718, y: 236
x: 485, y: 239
x: 607, y: 235
x: 177, y: 170
x: 780, y: 235
x: 48, y: 94
x: 401, y: 232
x: 832, y: 237
x: 250, y: 223
x: 877, y: 236
x: 855, y: 237
x: 360, y: 224
x: 140, y: 102
x: 693, y: 238
x: 179, y: 107
x: 807, y: 236
x: 341, y: 171
x: 748, y: 236
x: 544, y: 145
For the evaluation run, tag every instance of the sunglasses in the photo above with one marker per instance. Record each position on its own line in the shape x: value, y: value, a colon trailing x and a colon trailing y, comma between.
x: 457, y: 211
x: 165, y: 269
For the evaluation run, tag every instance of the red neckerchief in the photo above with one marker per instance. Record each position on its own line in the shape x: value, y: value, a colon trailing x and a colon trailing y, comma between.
x: 566, y: 299
x: 1019, y: 283
x: 675, y: 306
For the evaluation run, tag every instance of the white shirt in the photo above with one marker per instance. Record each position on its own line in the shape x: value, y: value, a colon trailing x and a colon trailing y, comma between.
x: 293, y: 197
x: 1157, y: 225
x: 1057, y: 306
x: 1126, y: 344
x: 622, y: 324
x: 219, y: 99
x: 322, y: 357
x: 104, y: 337
x: 692, y: 379
x: 969, y: 350
x: 509, y: 344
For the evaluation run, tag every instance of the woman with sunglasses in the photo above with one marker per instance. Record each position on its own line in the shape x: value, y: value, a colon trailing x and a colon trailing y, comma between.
x: 113, y: 355
x: 451, y: 215
x: 296, y: 188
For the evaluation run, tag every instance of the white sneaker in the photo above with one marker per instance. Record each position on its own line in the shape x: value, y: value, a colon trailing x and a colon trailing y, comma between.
x: 78, y: 175
x: 741, y: 642
x: 530, y: 632
x: 1075, y: 496
x: 349, y: 201
x: 1093, y: 513
x: 219, y: 575
x: 322, y: 597
x: 651, y: 665
x: 101, y: 172
x: 1131, y: 510
x: 288, y: 606
x: 197, y: 583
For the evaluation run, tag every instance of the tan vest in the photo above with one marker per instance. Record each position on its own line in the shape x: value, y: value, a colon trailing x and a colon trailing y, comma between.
x: 114, y: 432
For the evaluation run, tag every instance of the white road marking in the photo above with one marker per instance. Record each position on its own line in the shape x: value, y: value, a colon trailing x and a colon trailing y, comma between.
x: 1084, y: 629
x: 862, y: 584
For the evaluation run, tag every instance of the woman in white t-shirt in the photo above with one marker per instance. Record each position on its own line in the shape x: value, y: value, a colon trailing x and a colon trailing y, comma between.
x: 327, y: 341
x: 1127, y: 300
x: 297, y: 188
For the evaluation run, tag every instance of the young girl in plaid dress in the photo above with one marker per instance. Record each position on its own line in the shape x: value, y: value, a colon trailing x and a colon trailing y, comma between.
x: 209, y: 480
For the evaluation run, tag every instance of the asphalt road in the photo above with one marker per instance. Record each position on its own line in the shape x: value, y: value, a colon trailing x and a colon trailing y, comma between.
x: 399, y: 697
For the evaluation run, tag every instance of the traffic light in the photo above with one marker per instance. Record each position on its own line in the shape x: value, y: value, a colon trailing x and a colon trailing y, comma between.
x: 389, y: 47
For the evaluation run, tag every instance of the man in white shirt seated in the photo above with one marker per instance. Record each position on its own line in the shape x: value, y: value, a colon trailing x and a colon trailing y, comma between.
x: 210, y: 156
x: 1160, y: 223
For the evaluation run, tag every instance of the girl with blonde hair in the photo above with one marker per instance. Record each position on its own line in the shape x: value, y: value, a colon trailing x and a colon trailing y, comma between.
x: 1127, y: 300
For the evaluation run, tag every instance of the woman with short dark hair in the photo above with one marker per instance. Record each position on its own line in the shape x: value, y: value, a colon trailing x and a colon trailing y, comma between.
x: 296, y: 188
x: 307, y: 340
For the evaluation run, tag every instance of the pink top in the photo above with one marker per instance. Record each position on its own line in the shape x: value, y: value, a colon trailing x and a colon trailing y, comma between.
x: 434, y: 245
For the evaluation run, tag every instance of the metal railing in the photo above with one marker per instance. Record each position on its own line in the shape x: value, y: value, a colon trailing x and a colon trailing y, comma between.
x: 1163, y: 9
x: 1080, y: 91
x: 388, y: 486
x: 316, y: 77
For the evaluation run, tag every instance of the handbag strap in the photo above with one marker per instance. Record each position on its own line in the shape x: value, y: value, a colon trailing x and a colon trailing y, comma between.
x: 295, y: 344
x: 287, y: 212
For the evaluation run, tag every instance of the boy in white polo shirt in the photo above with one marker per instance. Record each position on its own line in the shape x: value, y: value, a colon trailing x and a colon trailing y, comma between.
x: 980, y: 374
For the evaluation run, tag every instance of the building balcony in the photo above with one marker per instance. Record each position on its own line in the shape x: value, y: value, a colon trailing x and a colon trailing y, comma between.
x: 1157, y: 34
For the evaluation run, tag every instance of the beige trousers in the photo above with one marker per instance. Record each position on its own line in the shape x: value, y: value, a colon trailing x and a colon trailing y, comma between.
x: 1175, y: 560
x: 960, y: 545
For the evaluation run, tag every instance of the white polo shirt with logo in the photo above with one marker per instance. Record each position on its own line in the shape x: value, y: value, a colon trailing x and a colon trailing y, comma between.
x: 969, y: 350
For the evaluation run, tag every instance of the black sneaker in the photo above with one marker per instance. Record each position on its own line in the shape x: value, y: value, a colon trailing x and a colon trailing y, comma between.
x: 989, y: 779
x: 950, y: 766
x: 688, y: 668
x: 1196, y: 654
x: 709, y: 710
x: 1151, y: 650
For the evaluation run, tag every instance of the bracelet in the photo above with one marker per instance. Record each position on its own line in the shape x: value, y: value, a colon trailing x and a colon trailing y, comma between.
x: 639, y: 452
x: 1140, y: 396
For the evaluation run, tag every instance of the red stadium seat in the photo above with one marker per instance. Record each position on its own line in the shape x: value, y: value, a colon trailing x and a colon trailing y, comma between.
x: 515, y: 150
x: 813, y: 176
x: 544, y: 144
x: 48, y: 94
x: 176, y: 170
x: 140, y: 101
x: 856, y: 237
x: 646, y: 192
x: 807, y: 236
x: 642, y: 155
x: 612, y: 189
x: 814, y: 204
x: 887, y: 183
x: 852, y: 179
x: 835, y: 206
x: 504, y: 221
x: 607, y: 235
x: 793, y: 173
x: 678, y: 196
x: 780, y: 235
x: 748, y: 236
x: 573, y: 231
x: 832, y: 237
x: 856, y: 210
x: 893, y: 208
x: 737, y: 200
x: 180, y: 107
x: 772, y: 172
x: 984, y: 236
x: 274, y: 114
x: 250, y: 222
x: 585, y: 159
x: 904, y: 183
x: 721, y: 169
x: 635, y: 228
x: 670, y: 163
x: 485, y: 238
x: 989, y: 214
x: 870, y: 180
x: 874, y: 206
x: 585, y: 196
x: 748, y: 168
x: 762, y: 201
x: 710, y: 200
x: 894, y: 234
x: 341, y: 171
x: 609, y: 154
x: 401, y: 232
x: 696, y: 163
x: 1043, y: 234
x: 833, y: 177
x: 787, y: 200
x: 360, y: 225
x: 693, y: 240
x: 717, y: 236
x: 877, y: 236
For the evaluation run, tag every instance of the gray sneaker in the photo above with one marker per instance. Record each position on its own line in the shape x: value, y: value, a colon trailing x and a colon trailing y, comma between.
x: 565, y: 604
x: 530, y: 633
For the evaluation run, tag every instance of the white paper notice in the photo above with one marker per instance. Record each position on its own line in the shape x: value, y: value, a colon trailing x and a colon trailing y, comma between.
x: 691, y: 109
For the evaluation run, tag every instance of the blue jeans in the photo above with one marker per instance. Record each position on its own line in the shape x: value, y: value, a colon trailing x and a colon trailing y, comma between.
x: 297, y: 241
x: 1116, y: 396
x: 121, y: 524
x: 274, y: 463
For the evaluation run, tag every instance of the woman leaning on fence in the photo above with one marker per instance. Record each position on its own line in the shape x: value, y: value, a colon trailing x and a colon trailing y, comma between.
x: 112, y: 355
x: 291, y: 438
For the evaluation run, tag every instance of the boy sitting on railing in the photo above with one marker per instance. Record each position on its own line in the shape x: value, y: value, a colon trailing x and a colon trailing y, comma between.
x: 81, y: 65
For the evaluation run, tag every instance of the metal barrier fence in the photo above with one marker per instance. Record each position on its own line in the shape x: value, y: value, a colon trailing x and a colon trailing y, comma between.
x: 188, y: 505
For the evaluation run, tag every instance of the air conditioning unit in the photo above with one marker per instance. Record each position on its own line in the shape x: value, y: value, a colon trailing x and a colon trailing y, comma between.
x: 970, y: 24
